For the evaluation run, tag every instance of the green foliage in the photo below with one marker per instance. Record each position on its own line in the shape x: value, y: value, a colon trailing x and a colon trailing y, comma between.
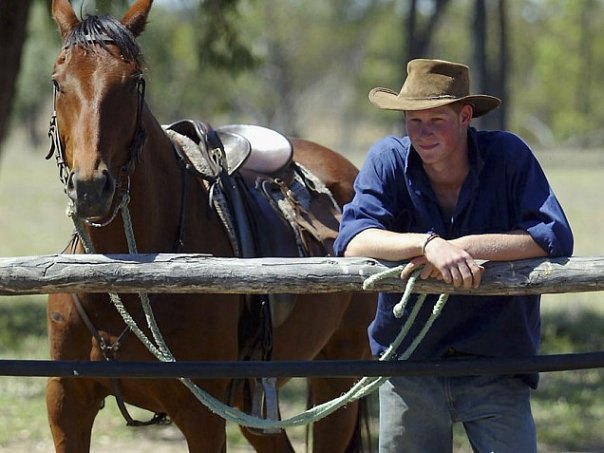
x: 21, y: 318
x: 292, y: 65
x: 566, y: 332
x: 219, y: 41
x: 556, y: 77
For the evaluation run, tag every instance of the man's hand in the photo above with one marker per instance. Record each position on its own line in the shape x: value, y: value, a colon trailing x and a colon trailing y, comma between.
x: 447, y: 262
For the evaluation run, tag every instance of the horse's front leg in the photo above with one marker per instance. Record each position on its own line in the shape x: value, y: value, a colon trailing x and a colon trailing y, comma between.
x: 72, y: 403
x: 72, y: 406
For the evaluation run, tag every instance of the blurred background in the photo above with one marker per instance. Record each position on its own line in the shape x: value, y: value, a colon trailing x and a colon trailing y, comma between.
x: 305, y: 68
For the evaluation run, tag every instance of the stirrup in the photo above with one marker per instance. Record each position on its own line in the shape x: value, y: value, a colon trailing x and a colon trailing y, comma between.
x: 265, y: 402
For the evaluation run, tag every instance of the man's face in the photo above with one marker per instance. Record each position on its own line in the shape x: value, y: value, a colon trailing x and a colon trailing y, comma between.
x: 438, y: 133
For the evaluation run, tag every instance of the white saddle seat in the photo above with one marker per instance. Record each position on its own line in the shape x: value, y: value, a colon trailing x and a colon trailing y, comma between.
x: 270, y: 150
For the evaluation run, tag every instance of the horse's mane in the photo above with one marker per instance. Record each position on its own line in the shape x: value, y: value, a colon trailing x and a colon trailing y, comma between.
x: 103, y: 30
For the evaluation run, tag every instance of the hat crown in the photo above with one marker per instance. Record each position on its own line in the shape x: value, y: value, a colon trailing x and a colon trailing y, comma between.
x: 436, y: 79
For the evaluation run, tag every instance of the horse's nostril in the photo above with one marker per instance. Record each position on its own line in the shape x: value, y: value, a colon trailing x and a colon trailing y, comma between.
x: 109, y: 185
x: 70, y: 181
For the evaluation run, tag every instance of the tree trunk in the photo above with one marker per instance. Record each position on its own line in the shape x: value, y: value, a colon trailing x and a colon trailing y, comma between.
x: 501, y: 90
x: 491, y: 73
x: 418, y: 39
x: 586, y: 57
x: 13, y: 28
x: 480, y: 71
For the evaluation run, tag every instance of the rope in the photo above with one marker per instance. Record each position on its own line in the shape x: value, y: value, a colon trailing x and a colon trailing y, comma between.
x: 360, y: 389
x: 114, y: 297
x: 144, y: 297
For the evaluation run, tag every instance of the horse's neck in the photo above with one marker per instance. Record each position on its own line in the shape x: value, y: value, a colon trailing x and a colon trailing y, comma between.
x: 156, y: 191
x: 157, y: 194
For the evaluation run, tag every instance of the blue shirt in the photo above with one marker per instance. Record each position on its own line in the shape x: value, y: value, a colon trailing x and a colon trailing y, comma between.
x: 504, y: 190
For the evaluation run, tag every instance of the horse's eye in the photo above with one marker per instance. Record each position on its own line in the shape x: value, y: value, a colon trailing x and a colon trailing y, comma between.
x: 136, y: 79
x: 56, y: 85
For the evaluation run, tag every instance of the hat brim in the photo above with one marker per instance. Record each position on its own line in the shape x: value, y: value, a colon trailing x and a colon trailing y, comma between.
x: 388, y: 99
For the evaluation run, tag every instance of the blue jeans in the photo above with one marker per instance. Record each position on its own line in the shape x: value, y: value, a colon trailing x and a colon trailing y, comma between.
x: 417, y: 414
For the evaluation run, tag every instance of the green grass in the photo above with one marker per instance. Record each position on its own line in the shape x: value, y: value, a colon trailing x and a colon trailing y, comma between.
x: 568, y: 407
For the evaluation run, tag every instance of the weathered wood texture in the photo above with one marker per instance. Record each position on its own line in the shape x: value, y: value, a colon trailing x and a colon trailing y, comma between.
x: 185, y: 273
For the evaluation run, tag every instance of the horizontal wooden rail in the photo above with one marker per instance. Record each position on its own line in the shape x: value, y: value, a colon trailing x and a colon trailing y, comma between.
x: 326, y: 368
x: 188, y: 273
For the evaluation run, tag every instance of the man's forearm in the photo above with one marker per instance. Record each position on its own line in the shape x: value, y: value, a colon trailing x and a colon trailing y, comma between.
x: 510, y: 246
x: 386, y: 245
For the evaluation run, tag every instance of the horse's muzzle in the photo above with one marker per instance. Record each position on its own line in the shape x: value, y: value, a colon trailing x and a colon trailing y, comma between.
x: 91, y: 195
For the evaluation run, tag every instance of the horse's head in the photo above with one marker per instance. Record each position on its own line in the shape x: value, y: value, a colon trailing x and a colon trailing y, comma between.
x: 97, y: 132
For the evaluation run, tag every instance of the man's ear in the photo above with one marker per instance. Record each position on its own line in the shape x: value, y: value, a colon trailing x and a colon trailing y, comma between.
x: 465, y: 114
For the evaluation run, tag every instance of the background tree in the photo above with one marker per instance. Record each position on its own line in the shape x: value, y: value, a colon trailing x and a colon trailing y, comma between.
x: 218, y: 37
x: 33, y: 85
x: 419, y: 32
x: 306, y: 67
x: 490, y: 63
x: 13, y: 25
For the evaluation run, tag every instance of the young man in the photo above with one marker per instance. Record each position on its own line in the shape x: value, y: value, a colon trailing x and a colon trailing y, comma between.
x: 442, y: 197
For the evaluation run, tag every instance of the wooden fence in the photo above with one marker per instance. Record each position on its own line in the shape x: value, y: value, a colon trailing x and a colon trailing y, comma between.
x: 187, y: 273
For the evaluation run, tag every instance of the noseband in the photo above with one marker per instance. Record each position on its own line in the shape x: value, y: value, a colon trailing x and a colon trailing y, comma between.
x: 136, y: 145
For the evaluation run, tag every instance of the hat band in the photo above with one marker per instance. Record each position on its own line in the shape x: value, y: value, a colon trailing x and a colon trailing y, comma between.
x: 435, y: 98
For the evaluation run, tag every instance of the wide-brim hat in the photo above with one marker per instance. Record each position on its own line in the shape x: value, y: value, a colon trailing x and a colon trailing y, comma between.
x: 430, y: 84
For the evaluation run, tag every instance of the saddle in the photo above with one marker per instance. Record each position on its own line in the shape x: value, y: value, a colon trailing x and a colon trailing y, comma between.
x: 270, y: 206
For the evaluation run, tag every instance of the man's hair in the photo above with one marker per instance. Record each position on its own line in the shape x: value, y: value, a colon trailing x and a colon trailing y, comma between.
x: 455, y: 106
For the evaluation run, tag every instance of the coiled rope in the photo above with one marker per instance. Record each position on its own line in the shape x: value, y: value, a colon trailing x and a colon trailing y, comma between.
x: 361, y: 388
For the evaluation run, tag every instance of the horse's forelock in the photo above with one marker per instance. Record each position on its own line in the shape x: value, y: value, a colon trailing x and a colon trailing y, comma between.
x: 96, y: 29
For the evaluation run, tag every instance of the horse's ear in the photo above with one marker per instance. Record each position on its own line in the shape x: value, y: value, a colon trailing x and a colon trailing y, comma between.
x: 64, y: 16
x: 136, y: 17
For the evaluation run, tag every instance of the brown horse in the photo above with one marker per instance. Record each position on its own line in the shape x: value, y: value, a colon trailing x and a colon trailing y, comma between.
x: 109, y: 139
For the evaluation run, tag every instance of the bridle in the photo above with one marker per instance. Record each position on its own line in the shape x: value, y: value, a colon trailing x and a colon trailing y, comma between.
x: 136, y: 145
